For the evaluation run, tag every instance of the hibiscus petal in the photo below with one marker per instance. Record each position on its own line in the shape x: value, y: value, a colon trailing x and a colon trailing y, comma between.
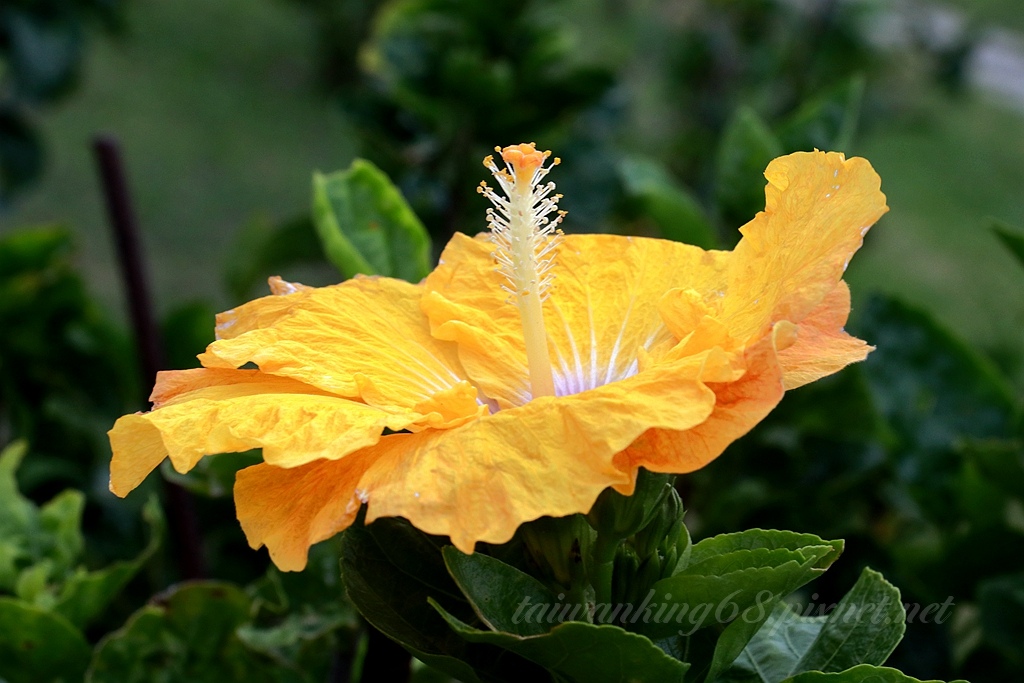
x: 288, y: 510
x: 822, y: 347
x: 552, y: 456
x: 293, y: 423
x: 365, y: 338
x: 819, y: 207
x: 602, y: 310
x: 739, y: 406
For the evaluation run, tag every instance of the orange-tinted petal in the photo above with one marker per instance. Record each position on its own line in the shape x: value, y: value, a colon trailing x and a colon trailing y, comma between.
x: 288, y: 510
x: 365, y: 338
x: 819, y: 207
x: 293, y: 423
x: 739, y: 406
x: 822, y: 346
x: 552, y: 456
x: 602, y: 310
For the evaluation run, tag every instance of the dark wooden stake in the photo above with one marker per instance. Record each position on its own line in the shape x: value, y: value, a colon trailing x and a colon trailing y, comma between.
x: 180, y: 511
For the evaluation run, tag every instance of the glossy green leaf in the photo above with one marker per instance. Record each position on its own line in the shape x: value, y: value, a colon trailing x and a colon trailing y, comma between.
x: 747, y: 146
x: 728, y: 575
x: 771, y: 539
x: 1012, y: 239
x: 578, y: 651
x: 501, y: 594
x: 675, y: 211
x: 859, y: 674
x: 366, y: 226
x: 390, y: 595
x: 864, y: 628
x: 188, y: 634
x: 827, y: 122
x: 37, y: 646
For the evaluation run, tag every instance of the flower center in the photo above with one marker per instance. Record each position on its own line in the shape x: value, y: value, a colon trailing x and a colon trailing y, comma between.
x: 525, y: 240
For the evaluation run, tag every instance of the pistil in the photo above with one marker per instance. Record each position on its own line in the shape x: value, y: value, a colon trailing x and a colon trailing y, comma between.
x: 525, y: 240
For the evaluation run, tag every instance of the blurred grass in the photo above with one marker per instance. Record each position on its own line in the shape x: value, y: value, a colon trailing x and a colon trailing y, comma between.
x: 1007, y: 13
x: 945, y: 177
x: 216, y: 105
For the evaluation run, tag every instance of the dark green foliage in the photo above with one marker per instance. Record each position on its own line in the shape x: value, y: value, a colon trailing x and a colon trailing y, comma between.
x: 914, y: 457
x: 65, y: 371
x: 41, y: 52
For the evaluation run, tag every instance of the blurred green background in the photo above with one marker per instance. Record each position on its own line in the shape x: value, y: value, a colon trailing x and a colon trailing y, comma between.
x: 223, y: 117
x: 665, y: 112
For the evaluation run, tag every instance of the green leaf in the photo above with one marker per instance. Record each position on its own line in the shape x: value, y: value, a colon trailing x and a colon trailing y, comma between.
x: 859, y: 674
x: 17, y: 513
x: 303, y: 619
x: 385, y: 586
x: 1011, y: 238
x: 61, y: 521
x: 578, y: 651
x: 746, y: 148
x: 770, y: 539
x: 85, y: 595
x: 827, y: 122
x: 188, y: 634
x: 738, y: 577
x: 499, y: 593
x: 37, y: 646
x: 675, y: 211
x: 366, y: 226
x: 864, y: 628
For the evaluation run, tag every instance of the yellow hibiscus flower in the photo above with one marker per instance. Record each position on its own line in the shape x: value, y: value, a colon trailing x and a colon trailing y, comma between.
x: 514, y: 395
